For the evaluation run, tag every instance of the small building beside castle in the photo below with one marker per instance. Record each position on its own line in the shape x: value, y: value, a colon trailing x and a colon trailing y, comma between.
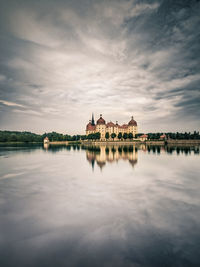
x: 102, y: 127
x: 46, y: 140
x: 143, y: 137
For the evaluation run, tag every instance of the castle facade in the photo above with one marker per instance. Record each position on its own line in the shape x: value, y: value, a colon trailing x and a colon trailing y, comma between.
x: 102, y: 127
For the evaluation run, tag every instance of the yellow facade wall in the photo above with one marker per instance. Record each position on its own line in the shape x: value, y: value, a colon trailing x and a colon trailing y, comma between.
x: 103, y: 129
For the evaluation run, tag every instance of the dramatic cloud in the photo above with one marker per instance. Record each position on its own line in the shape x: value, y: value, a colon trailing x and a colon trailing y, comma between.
x: 60, y: 61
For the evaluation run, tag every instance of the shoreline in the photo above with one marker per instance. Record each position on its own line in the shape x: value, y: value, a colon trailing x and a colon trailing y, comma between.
x: 148, y: 142
x: 133, y: 142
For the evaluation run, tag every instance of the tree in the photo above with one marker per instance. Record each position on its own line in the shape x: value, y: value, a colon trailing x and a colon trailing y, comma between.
x: 125, y: 136
x: 130, y: 136
x: 113, y: 135
x: 83, y: 137
x: 119, y: 136
x: 78, y: 137
x: 98, y: 135
x: 89, y: 136
x: 107, y: 135
x: 74, y: 138
x: 13, y: 138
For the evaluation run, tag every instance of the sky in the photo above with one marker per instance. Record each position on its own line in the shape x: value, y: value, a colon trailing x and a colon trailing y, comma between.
x: 62, y: 60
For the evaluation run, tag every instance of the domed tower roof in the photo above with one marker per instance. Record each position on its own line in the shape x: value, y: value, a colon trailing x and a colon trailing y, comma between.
x: 90, y: 127
x: 132, y: 122
x: 101, y: 120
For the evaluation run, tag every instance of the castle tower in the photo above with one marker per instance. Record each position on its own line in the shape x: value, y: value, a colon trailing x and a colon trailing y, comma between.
x: 92, y: 122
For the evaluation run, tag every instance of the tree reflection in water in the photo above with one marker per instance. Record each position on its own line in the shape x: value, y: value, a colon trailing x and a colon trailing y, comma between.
x: 102, y: 154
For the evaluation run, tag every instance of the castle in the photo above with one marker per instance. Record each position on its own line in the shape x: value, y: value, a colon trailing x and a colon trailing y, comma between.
x: 102, y: 127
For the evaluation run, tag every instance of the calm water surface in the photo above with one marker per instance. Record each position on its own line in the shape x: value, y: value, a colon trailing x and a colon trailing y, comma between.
x: 99, y: 206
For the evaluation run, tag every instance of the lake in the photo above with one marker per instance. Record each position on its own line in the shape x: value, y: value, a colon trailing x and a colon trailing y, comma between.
x: 99, y: 206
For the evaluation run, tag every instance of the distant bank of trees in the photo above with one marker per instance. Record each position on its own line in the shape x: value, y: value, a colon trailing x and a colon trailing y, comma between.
x: 28, y: 137
x: 15, y: 136
x: 175, y: 136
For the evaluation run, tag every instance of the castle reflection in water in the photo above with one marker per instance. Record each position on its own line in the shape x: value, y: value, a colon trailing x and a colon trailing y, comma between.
x: 104, y: 154
x: 100, y: 155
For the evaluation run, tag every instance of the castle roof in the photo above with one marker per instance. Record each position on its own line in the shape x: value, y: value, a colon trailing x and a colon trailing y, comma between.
x: 110, y: 124
x: 124, y: 126
x: 144, y: 136
x: 101, y: 120
x: 90, y: 127
x: 132, y: 122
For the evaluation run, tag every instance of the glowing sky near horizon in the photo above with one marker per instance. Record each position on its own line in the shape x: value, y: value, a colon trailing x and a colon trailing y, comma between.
x: 62, y: 60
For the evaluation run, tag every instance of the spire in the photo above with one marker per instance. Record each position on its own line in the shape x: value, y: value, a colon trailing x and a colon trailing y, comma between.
x: 93, y: 123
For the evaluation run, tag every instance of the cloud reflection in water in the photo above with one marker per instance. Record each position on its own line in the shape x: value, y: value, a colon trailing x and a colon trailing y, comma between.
x: 62, y: 214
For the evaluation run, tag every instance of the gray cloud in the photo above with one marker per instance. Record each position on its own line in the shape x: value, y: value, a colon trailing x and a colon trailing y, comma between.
x: 62, y: 61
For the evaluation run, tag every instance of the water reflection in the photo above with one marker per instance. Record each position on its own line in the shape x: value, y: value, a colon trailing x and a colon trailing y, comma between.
x: 18, y: 148
x: 108, y: 154
x: 185, y: 149
x: 56, y: 212
x: 181, y: 149
x: 104, y: 154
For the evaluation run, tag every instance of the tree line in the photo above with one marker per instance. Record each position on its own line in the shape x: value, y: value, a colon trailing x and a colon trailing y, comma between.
x: 175, y: 136
x: 28, y: 137
x: 119, y: 136
x: 16, y: 136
